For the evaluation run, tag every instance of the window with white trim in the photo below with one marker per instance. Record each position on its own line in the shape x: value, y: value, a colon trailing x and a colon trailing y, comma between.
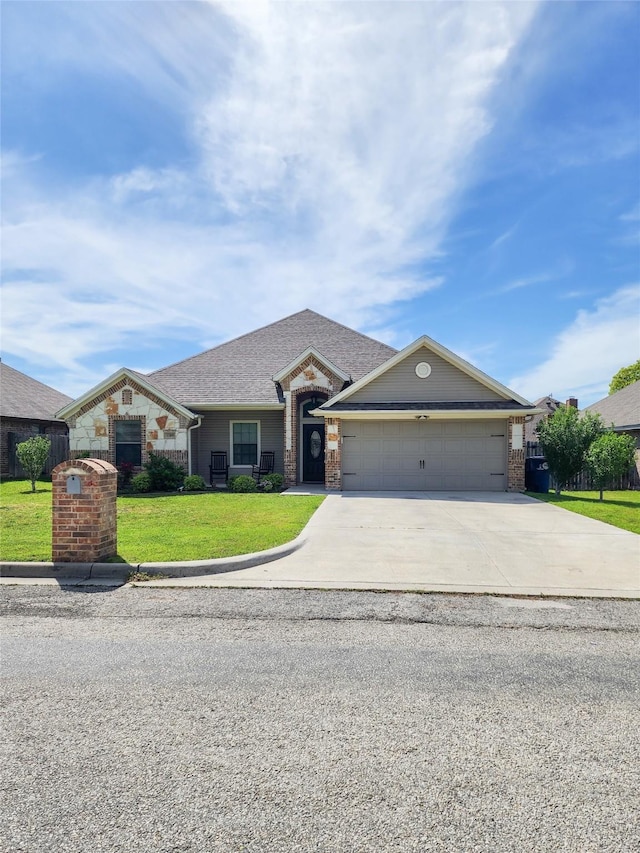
x: 245, y: 441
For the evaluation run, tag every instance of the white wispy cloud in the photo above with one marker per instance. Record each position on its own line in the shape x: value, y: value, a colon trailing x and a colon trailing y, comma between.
x: 333, y: 142
x: 585, y: 355
x: 561, y: 270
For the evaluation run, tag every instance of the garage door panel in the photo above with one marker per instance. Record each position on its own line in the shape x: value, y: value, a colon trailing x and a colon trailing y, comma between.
x: 456, y: 455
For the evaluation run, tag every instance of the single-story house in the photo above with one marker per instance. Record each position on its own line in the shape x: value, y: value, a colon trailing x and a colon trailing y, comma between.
x: 335, y: 406
x: 27, y: 408
x: 621, y: 411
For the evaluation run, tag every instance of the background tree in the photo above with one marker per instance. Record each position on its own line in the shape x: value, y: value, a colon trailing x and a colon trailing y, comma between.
x: 565, y: 438
x: 609, y: 457
x: 625, y: 376
x: 32, y: 455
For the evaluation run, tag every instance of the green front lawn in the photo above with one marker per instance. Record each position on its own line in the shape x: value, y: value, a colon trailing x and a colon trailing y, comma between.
x: 622, y: 509
x: 163, y: 528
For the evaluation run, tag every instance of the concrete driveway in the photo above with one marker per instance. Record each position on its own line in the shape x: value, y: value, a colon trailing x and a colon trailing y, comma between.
x: 438, y: 541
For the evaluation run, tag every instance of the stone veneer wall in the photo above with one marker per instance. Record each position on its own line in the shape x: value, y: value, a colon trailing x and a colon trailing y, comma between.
x: 164, y: 430
x: 515, y: 460
x: 308, y: 378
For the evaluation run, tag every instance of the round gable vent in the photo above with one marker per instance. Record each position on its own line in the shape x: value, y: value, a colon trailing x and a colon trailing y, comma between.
x: 423, y: 369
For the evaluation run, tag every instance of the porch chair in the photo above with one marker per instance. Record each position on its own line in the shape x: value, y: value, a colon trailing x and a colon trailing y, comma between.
x: 265, y: 466
x: 219, y: 466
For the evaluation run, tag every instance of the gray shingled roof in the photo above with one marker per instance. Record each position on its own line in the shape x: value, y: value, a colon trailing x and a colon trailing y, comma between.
x: 241, y: 370
x: 621, y: 409
x: 24, y: 397
x: 549, y: 404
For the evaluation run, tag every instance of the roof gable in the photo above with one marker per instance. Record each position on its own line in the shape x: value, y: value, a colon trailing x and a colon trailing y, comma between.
x: 321, y: 361
x: 24, y: 397
x: 136, y: 380
x: 450, y: 379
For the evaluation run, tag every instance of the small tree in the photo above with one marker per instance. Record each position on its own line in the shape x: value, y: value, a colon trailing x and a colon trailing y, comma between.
x: 565, y: 438
x: 625, y: 376
x: 32, y: 455
x: 609, y: 457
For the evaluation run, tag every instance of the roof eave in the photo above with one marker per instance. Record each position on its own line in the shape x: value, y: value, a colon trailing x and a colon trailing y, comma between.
x: 229, y: 407
x: 436, y: 414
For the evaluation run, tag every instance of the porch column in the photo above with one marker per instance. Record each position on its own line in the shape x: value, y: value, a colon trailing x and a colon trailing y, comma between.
x: 333, y: 455
x: 515, y: 455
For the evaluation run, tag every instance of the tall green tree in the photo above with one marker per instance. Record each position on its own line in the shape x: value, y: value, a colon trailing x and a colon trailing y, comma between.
x: 565, y: 438
x: 610, y: 456
x: 32, y: 455
x: 625, y: 376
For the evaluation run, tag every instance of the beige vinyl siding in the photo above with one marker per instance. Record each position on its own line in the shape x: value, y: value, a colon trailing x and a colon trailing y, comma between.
x: 446, y: 383
x: 214, y: 434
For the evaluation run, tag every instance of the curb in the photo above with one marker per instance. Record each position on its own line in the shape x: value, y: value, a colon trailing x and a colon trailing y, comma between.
x: 121, y: 571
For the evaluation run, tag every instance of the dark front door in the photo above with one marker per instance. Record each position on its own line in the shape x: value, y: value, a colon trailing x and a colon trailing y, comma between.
x: 313, y: 453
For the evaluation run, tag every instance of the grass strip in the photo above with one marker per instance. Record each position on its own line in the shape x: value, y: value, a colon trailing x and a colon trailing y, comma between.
x: 619, y: 508
x: 161, y: 528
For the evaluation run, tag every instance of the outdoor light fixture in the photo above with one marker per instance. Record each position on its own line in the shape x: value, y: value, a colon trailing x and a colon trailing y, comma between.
x: 422, y: 417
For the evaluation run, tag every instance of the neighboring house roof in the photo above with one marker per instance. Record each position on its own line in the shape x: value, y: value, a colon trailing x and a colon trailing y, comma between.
x: 24, y: 397
x: 243, y: 369
x: 548, y: 405
x: 622, y: 409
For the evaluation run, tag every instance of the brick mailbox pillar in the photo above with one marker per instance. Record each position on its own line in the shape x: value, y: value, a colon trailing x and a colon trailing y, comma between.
x: 84, y: 511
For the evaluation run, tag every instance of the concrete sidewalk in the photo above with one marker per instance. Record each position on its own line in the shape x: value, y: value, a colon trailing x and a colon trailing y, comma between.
x: 429, y: 542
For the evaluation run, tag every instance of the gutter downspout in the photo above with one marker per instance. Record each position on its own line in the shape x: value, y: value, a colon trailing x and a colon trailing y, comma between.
x: 189, y: 431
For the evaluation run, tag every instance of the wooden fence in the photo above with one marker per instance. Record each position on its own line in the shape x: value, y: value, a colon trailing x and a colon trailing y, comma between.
x: 583, y: 482
x: 58, y: 453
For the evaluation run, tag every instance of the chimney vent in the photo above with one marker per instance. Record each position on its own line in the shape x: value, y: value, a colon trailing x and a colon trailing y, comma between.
x: 573, y: 401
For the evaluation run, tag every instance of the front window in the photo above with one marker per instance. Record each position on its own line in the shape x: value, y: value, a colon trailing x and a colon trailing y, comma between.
x: 244, y: 441
x: 128, y: 435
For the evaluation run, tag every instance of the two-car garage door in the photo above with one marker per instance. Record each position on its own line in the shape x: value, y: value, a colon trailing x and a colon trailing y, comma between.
x: 424, y: 455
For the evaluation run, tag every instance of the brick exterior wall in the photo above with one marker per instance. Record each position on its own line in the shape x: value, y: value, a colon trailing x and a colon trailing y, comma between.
x: 24, y: 429
x: 333, y: 458
x: 85, y: 524
x: 333, y: 385
x: 515, y: 460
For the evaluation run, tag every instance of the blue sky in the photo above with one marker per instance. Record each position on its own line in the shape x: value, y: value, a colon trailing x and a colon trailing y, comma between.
x: 176, y: 174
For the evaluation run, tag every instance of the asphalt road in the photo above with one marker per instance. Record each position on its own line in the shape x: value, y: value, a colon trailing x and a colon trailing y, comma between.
x: 252, y: 720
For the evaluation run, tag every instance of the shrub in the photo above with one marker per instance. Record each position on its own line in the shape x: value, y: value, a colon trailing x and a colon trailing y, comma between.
x: 125, y: 473
x: 32, y: 454
x: 276, y: 481
x: 194, y: 483
x: 141, y: 482
x: 165, y: 475
x: 243, y: 483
